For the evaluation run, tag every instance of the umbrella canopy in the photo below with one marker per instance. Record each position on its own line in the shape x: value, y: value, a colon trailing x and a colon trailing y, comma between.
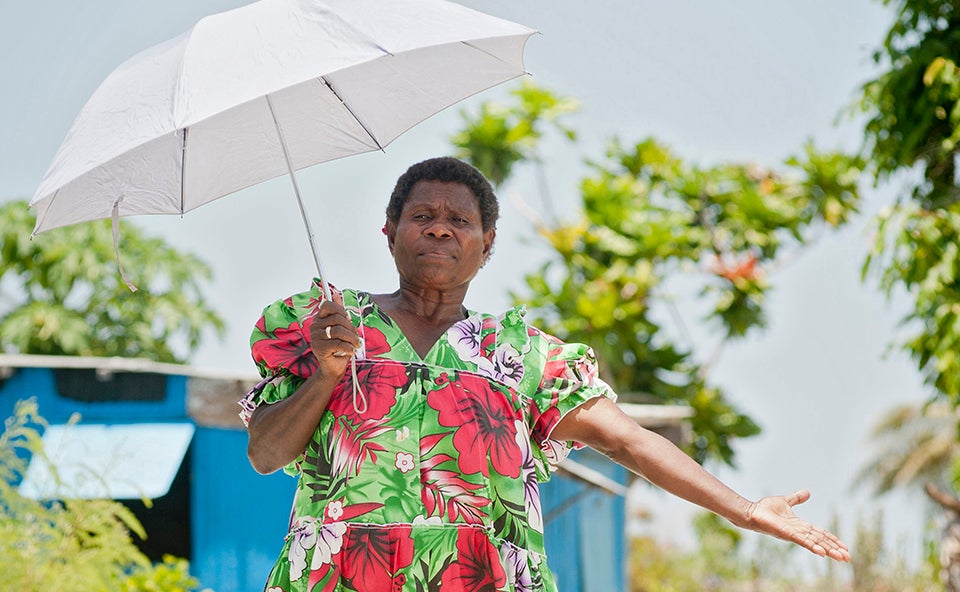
x: 250, y: 94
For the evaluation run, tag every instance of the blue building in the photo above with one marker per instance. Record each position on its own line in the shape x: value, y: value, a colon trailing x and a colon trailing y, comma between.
x: 171, y: 433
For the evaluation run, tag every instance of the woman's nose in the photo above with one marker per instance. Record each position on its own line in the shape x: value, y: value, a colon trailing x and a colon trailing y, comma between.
x: 438, y: 229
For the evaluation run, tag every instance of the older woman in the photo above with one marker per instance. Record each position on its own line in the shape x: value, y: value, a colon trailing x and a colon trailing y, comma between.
x: 419, y: 468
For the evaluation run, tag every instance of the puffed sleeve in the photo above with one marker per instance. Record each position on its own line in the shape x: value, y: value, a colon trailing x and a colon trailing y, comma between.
x: 569, y: 379
x: 280, y: 346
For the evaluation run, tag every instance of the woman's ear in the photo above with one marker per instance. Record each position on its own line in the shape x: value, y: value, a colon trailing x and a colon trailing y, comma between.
x: 488, y: 238
x: 390, y: 230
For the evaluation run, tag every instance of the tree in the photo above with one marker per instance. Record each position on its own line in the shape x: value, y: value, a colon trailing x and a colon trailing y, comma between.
x: 61, y: 292
x: 912, y: 131
x: 918, y: 447
x: 650, y: 217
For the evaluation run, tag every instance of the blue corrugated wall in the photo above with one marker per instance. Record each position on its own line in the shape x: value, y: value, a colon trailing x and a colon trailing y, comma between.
x: 584, y: 532
x: 239, y: 516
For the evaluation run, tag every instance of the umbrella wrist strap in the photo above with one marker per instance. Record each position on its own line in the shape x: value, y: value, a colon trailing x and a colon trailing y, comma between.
x: 357, y: 392
x: 115, y: 223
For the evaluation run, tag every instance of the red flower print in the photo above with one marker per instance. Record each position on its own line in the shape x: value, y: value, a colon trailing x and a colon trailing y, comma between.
x: 379, y: 381
x: 375, y: 342
x: 326, y: 574
x: 351, y: 447
x: 488, y: 329
x: 477, y: 568
x: 289, y: 348
x: 484, y: 421
x: 555, y: 369
x: 534, y: 332
x: 445, y: 490
x: 543, y: 423
x: 372, y: 558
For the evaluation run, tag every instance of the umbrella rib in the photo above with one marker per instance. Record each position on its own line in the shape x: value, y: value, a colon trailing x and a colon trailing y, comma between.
x: 183, y: 169
x: 41, y: 218
x: 350, y: 111
x: 482, y: 50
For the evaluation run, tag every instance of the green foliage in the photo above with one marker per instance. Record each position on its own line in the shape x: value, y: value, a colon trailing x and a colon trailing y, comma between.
x: 913, y: 106
x: 74, y: 545
x: 172, y: 575
x: 650, y: 217
x: 63, y: 295
x: 655, y: 567
x: 501, y: 136
x: 721, y: 560
x: 913, y: 126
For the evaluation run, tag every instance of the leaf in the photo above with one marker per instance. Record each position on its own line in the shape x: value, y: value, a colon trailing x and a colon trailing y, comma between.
x: 70, y: 300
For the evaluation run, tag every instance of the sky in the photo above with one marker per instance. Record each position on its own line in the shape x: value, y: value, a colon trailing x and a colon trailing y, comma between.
x: 744, y: 80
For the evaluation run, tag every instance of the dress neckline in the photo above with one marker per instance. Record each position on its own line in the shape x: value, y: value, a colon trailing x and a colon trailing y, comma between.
x: 383, y: 314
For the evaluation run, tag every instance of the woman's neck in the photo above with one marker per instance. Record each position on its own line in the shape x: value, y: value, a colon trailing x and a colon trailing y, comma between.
x: 430, y: 306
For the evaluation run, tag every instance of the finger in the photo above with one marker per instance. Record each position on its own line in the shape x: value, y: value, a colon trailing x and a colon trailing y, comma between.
x: 833, y: 551
x: 331, y: 313
x: 331, y: 322
x: 809, y: 541
x: 835, y: 547
x: 342, y: 332
x: 797, y: 497
x: 823, y: 543
x: 329, y: 308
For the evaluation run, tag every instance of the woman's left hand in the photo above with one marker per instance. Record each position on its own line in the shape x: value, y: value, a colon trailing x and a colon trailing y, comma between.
x: 774, y: 516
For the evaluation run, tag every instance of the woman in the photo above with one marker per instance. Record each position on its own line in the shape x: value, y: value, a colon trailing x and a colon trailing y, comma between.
x: 419, y: 467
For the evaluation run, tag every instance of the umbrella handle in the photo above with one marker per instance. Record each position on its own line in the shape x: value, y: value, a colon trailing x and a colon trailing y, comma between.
x: 296, y: 190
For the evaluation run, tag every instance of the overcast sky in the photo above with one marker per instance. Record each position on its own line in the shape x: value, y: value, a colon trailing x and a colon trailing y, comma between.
x: 740, y: 80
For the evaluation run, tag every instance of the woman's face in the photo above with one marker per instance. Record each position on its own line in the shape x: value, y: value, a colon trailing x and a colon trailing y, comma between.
x: 438, y: 242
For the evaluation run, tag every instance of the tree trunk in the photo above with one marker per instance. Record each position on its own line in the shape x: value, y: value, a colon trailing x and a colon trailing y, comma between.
x: 950, y: 539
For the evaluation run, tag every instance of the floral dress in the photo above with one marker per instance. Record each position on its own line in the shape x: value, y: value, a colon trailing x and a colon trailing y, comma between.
x: 424, y: 473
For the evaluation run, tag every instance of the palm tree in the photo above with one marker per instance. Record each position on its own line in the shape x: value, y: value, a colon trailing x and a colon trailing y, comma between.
x: 918, y: 445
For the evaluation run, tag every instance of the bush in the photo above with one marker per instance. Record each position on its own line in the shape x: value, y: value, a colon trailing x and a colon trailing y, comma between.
x: 73, y: 545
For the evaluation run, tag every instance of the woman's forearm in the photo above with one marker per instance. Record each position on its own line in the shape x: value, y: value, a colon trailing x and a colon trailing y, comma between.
x: 659, y: 461
x: 279, y: 432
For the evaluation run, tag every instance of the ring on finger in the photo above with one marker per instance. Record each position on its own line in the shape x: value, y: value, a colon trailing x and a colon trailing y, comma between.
x: 327, y: 331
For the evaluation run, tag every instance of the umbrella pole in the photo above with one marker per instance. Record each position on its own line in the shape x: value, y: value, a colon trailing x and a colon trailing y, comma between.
x: 303, y: 211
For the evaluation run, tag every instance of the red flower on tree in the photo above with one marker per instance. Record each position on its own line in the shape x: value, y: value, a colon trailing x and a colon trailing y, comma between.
x: 477, y: 568
x: 485, y: 424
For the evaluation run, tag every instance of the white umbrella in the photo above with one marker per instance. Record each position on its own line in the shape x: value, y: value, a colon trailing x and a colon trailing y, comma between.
x: 250, y: 94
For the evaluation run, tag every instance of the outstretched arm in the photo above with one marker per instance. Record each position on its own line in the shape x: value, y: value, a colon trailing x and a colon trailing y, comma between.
x: 600, y: 424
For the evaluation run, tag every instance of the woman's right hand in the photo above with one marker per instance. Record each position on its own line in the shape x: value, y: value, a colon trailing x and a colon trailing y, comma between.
x: 333, y: 339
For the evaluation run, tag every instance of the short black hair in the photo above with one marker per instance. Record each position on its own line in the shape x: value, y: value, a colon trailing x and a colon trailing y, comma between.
x: 446, y: 169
